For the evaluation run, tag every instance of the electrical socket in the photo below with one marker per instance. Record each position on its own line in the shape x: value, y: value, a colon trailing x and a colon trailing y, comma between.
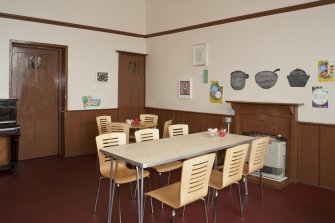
x: 227, y: 119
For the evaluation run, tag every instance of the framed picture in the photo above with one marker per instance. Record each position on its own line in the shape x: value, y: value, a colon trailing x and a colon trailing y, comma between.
x: 185, y: 88
x: 200, y: 54
x: 102, y: 77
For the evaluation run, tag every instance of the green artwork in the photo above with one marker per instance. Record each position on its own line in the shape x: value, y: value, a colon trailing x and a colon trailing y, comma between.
x: 90, y: 101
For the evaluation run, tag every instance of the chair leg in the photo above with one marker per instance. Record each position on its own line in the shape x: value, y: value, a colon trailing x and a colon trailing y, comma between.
x: 118, y: 194
x: 149, y: 185
x: 205, y: 206
x: 245, y: 183
x: 161, y: 177
x: 173, y: 215
x: 184, y: 211
x: 97, y: 197
x: 215, y: 203
x: 261, y: 183
x: 168, y: 181
x: 240, y: 199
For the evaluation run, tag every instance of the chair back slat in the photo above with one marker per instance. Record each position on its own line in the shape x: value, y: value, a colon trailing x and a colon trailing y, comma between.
x: 146, y: 135
x: 233, y: 164
x: 257, y: 153
x: 195, y: 177
x: 149, y: 118
x: 166, y: 128
x: 178, y: 129
x: 109, y: 140
x: 118, y: 127
x: 102, y: 123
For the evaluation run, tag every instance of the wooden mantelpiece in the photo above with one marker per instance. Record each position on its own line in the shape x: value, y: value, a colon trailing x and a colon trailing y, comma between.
x: 275, y: 119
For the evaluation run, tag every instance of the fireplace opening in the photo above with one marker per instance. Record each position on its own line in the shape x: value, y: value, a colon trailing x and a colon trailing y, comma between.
x: 275, y: 157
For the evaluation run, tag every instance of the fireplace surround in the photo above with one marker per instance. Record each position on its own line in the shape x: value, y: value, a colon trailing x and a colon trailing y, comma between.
x: 271, y: 118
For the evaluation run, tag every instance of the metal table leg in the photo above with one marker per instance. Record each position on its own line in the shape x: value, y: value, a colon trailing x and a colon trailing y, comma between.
x: 139, y: 182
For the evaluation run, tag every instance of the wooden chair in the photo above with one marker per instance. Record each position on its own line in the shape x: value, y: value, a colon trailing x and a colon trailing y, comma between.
x: 153, y: 134
x: 192, y: 186
x: 123, y: 174
x: 178, y: 129
x: 255, y: 161
x: 166, y: 128
x: 102, y: 122
x: 232, y: 172
x: 118, y: 127
x: 149, y: 118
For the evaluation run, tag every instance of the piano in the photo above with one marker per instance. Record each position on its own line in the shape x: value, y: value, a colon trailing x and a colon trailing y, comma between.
x: 9, y: 134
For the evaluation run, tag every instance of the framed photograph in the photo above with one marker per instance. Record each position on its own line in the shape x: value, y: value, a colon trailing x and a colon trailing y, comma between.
x: 200, y: 54
x: 185, y: 88
x: 102, y: 77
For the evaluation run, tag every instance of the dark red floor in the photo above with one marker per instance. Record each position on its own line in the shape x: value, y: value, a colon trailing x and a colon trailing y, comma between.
x: 57, y: 190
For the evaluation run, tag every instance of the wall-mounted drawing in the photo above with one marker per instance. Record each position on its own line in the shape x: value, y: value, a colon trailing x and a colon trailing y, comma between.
x: 326, y: 70
x: 185, y: 87
x: 215, y: 92
x: 320, y: 97
x: 298, y: 78
x: 237, y: 79
x: 266, y: 79
x: 102, y: 77
x: 200, y: 56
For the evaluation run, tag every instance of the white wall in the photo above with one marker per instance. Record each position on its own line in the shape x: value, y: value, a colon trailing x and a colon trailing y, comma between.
x: 286, y: 41
x: 88, y: 51
x: 162, y: 15
x: 123, y: 15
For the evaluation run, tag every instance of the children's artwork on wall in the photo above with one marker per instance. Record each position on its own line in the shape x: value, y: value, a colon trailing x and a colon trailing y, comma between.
x: 320, y: 97
x: 200, y: 54
x: 90, y: 101
x: 237, y: 79
x: 216, y: 91
x: 298, y: 78
x: 185, y: 87
x: 266, y: 79
x: 326, y: 70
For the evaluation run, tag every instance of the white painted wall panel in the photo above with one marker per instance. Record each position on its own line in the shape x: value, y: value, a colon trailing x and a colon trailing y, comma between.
x: 165, y: 15
x: 286, y: 41
x: 88, y: 52
x: 123, y: 15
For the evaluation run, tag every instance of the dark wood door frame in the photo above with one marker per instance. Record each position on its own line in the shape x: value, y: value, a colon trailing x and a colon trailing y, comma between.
x: 62, y: 92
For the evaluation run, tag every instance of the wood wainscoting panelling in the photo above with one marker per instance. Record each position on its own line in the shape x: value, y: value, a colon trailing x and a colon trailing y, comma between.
x: 308, y: 153
x: 327, y: 156
x: 80, y: 130
x: 316, y: 154
x: 197, y: 122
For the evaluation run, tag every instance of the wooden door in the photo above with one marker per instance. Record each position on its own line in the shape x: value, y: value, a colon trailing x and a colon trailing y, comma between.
x: 131, y: 100
x: 35, y: 81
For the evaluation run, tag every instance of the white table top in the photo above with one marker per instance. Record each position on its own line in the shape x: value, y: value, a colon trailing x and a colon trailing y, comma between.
x: 152, y: 153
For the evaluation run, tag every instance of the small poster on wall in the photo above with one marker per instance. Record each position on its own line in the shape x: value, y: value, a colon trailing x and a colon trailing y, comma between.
x: 185, y: 87
x: 215, y: 92
x: 326, y: 70
x: 320, y: 97
x: 90, y: 101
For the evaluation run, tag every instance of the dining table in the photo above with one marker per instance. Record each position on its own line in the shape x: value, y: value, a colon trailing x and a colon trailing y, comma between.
x: 151, y: 153
x: 142, y: 125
